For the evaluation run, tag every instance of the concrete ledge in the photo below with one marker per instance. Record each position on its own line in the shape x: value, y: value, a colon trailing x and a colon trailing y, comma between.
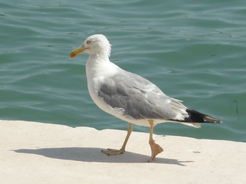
x: 32, y: 152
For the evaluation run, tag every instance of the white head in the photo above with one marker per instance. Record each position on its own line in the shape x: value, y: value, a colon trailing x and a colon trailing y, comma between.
x: 96, y: 44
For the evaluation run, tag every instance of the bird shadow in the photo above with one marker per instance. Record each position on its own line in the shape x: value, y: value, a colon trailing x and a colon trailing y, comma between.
x: 89, y: 154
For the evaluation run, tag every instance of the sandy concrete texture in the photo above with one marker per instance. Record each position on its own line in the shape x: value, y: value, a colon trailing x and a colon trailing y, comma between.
x: 35, y: 153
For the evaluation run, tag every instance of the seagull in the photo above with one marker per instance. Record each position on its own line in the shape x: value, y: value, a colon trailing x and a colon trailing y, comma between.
x: 131, y: 97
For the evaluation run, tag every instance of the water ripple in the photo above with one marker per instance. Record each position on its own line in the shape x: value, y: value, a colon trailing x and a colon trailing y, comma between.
x: 194, y: 51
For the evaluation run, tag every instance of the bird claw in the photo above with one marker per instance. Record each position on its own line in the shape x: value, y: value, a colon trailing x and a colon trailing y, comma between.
x: 111, y: 152
x: 155, y: 150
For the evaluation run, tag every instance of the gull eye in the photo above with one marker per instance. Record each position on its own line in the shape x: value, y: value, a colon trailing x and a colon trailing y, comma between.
x: 88, y: 42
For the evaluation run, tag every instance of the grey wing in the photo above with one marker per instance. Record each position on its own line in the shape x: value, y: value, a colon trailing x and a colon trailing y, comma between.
x: 139, y: 98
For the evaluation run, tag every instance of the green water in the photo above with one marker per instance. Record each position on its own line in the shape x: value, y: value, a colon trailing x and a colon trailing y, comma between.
x: 194, y: 51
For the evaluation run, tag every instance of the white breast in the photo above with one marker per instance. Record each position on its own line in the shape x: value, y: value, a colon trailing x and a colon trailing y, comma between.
x: 96, y: 72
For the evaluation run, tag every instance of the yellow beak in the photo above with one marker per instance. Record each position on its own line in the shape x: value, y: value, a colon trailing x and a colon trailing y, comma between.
x: 76, y: 52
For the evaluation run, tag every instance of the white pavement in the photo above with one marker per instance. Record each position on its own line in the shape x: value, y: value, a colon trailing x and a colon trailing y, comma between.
x: 37, y: 153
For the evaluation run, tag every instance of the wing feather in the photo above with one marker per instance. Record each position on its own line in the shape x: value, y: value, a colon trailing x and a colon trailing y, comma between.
x: 139, y: 98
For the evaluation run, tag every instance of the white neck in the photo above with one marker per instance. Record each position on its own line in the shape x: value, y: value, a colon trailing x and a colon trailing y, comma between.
x: 98, y: 65
x: 95, y: 64
x: 102, y: 57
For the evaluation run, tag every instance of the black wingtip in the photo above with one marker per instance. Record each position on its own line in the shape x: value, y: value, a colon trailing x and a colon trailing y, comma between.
x: 195, y: 116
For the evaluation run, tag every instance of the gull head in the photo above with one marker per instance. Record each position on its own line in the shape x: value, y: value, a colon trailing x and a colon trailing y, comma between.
x: 96, y: 44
